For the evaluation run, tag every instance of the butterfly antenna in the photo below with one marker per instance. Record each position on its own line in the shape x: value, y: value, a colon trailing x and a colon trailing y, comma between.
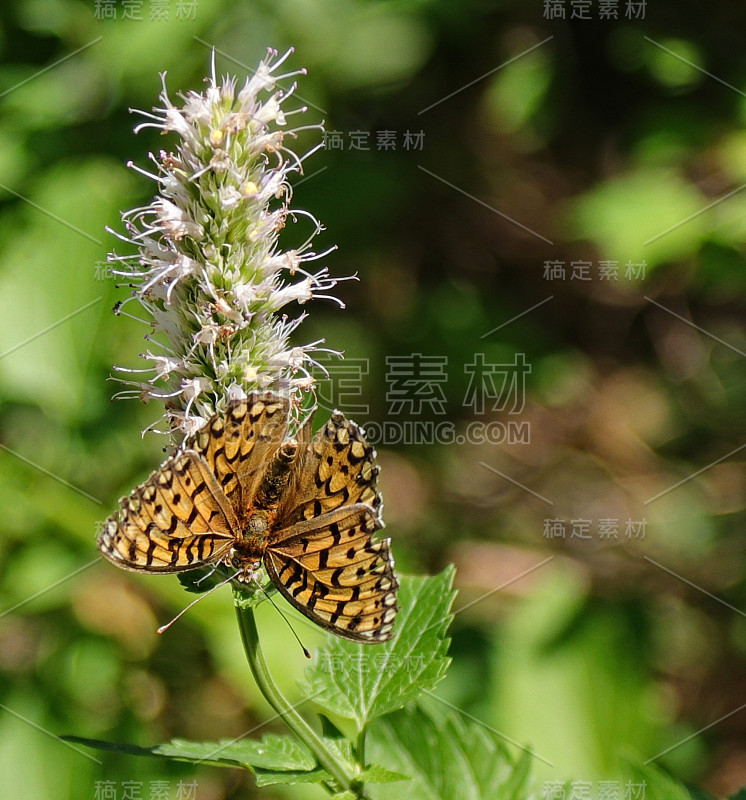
x: 287, y: 621
x: 183, y: 611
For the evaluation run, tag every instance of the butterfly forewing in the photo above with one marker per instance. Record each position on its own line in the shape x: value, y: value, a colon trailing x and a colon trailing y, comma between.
x: 239, y: 444
x: 177, y: 520
x: 336, y: 469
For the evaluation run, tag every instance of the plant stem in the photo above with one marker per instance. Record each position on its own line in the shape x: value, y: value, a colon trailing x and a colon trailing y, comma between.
x: 328, y: 760
x: 360, y: 747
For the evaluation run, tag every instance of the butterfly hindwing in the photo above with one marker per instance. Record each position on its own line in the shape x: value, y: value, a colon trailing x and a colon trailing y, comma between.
x: 177, y: 520
x: 333, y: 571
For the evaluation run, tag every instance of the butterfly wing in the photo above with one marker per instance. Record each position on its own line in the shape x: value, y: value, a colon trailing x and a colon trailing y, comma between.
x: 237, y: 446
x: 336, y: 468
x: 179, y: 519
x: 322, y: 555
x: 331, y: 569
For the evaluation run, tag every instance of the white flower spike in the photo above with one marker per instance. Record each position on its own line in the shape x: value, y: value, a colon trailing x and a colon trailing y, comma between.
x: 208, y: 270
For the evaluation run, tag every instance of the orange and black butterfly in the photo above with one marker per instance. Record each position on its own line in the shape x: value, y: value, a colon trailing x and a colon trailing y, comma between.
x: 239, y: 492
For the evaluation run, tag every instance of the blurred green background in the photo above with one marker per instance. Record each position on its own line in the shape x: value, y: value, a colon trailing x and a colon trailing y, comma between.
x: 582, y: 143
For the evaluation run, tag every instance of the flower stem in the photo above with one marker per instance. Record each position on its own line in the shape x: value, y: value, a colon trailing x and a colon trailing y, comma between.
x: 328, y: 760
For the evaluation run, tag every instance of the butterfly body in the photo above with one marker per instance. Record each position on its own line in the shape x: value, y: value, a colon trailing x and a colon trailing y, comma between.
x: 239, y: 492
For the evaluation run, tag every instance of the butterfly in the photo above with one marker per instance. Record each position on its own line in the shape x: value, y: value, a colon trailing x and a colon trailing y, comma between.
x: 240, y: 492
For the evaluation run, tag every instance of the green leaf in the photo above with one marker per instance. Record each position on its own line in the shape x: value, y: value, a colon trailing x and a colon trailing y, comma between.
x: 344, y: 796
x: 446, y: 757
x: 375, y: 773
x: 342, y: 749
x: 199, y: 581
x: 268, y: 777
x: 328, y: 729
x: 739, y: 795
x: 273, y: 759
x: 365, y: 681
x: 272, y: 752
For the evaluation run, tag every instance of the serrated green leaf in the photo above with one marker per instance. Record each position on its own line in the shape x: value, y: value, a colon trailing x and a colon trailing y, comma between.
x: 364, y: 681
x: 446, y: 756
x: 272, y: 752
